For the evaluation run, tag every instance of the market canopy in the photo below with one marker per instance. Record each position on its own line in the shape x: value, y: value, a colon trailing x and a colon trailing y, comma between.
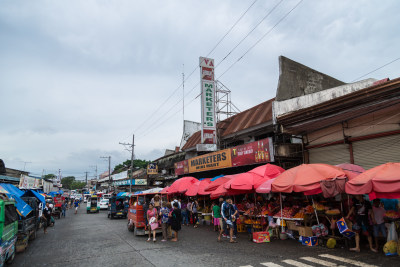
x: 351, y: 170
x: 39, y: 196
x: 222, y: 191
x: 216, y: 183
x: 268, y: 171
x: 181, y: 185
x: 307, y: 178
x: 382, y: 181
x: 198, y: 188
x: 193, y: 189
x: 265, y: 187
x: 15, y: 193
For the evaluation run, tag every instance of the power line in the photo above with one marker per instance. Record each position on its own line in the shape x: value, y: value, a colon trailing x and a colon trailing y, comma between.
x: 376, y: 69
x: 262, y: 37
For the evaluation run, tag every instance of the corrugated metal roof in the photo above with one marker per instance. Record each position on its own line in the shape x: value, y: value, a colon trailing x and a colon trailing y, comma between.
x: 252, y: 117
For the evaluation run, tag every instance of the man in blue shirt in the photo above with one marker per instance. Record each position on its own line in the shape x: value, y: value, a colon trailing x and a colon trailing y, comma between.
x: 228, y: 217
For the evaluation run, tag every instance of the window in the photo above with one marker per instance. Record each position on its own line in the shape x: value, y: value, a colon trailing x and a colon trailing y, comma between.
x: 10, y: 214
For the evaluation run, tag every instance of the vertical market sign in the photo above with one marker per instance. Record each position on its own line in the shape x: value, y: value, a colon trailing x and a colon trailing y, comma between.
x: 152, y: 168
x: 208, y: 119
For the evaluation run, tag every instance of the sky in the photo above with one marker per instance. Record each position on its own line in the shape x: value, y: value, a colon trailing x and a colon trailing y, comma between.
x: 79, y: 77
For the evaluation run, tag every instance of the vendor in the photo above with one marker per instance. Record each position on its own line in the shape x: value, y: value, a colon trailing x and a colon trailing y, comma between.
x: 363, y: 211
x: 273, y: 207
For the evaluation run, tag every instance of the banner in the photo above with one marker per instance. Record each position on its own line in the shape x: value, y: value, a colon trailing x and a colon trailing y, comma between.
x: 140, y: 182
x: 27, y: 182
x: 208, y: 118
x: 212, y: 161
x: 120, y: 176
x: 152, y: 168
x: 252, y: 153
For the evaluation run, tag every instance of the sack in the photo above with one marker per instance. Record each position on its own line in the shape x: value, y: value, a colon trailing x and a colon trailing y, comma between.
x: 392, y: 233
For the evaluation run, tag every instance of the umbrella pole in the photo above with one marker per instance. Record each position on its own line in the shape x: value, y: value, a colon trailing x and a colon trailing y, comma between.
x: 316, y: 215
x: 280, y: 197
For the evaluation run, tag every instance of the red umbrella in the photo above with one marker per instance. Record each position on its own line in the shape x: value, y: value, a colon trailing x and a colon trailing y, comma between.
x: 245, y: 181
x: 222, y: 191
x: 181, y: 185
x: 193, y: 189
x: 307, y: 178
x: 351, y: 170
x: 165, y: 190
x: 268, y: 171
x: 265, y: 187
x: 214, y: 184
x: 203, y: 185
x: 382, y: 181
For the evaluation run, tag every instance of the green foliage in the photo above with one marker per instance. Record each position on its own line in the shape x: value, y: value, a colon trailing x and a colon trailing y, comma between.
x: 67, y: 182
x: 78, y: 185
x: 137, y: 163
x: 50, y: 176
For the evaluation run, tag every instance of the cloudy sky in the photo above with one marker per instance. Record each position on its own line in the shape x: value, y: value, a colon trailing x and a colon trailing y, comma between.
x: 78, y: 77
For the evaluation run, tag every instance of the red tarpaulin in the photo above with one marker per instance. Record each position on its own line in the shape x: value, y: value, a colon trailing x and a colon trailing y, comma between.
x: 181, y: 185
x: 306, y: 178
x: 382, y: 181
x: 351, y: 170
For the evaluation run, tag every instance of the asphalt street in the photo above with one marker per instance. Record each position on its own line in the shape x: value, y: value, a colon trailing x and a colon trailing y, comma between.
x: 94, y: 240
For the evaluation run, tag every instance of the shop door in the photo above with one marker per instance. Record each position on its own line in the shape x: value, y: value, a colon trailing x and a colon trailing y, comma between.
x: 332, y: 155
x: 373, y: 152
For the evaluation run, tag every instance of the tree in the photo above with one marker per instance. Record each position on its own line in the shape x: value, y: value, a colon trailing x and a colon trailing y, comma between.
x: 50, y: 176
x: 137, y: 163
x: 67, y: 182
x: 77, y: 185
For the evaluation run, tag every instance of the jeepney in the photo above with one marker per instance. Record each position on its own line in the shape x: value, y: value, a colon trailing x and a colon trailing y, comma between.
x: 93, y: 204
x: 117, y: 207
x: 8, y: 229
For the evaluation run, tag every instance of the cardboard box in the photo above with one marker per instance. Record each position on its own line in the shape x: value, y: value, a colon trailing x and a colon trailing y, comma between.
x: 305, y: 231
x: 291, y: 225
x: 261, y: 237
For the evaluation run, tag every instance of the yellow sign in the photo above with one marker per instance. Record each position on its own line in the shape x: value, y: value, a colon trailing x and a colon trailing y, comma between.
x: 212, y: 161
x: 152, y: 168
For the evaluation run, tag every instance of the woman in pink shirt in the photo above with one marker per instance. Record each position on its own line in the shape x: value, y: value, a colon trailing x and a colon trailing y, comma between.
x: 152, y: 219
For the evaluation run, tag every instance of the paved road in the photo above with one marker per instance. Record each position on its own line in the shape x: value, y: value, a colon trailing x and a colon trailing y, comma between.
x: 93, y: 240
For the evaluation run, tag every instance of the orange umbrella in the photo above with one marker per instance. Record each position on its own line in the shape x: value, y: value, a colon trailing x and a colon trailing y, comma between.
x: 382, y: 181
x: 181, y: 185
x: 306, y: 178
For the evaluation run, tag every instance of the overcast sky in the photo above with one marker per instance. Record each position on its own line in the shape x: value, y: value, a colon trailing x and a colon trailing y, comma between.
x: 78, y: 77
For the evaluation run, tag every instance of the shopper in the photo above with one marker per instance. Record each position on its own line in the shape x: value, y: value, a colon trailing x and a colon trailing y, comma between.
x: 195, y: 217
x: 46, y: 217
x: 217, y: 218
x: 156, y: 202
x: 379, y: 222
x: 189, y: 210
x: 176, y: 201
x: 64, y: 208
x: 228, y: 215
x: 76, y: 205
x: 185, y: 213
x: 235, y: 217
x: 153, y: 223
x: 164, y: 213
x: 363, y: 211
x: 176, y: 219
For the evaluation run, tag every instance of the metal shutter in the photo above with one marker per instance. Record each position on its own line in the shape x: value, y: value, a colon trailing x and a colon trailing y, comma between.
x: 373, y: 152
x: 333, y: 155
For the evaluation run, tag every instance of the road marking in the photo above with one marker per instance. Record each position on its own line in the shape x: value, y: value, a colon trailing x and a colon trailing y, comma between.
x: 356, y: 263
x: 318, y: 261
x: 270, y: 264
x: 246, y: 266
x: 296, y: 263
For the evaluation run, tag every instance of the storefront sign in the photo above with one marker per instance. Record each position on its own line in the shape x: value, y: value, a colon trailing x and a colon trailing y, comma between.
x: 27, y: 182
x: 208, y: 119
x: 252, y: 153
x: 120, y: 183
x: 120, y: 176
x: 152, y: 168
x: 212, y: 161
x: 140, y: 182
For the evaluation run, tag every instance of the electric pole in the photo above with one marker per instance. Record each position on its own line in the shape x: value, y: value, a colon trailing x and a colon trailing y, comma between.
x: 109, y: 172
x: 86, y: 173
x: 132, y: 150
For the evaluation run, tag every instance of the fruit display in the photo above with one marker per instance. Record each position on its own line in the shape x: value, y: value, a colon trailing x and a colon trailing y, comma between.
x: 287, y: 212
x: 331, y: 243
x: 319, y: 207
x: 390, y: 247
x: 391, y: 214
x: 299, y: 215
x: 332, y: 212
x: 309, y: 209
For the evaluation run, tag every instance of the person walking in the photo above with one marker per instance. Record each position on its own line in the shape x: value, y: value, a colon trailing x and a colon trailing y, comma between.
x: 176, y: 201
x: 176, y: 218
x: 46, y: 217
x: 76, y: 205
x: 185, y: 213
x: 153, y: 223
x: 164, y: 214
x: 216, y: 213
x: 64, y: 208
x: 228, y: 215
x: 195, y: 217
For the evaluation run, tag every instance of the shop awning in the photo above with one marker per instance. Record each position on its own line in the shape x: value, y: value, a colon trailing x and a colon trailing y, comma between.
x: 181, y: 185
x: 15, y: 193
x: 39, y: 196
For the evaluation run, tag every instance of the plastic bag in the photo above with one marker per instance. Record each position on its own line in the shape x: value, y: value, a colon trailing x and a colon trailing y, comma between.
x: 392, y: 233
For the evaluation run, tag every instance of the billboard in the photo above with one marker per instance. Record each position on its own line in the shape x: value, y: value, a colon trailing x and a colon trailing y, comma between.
x: 27, y: 182
x: 257, y: 152
x: 152, y: 168
x: 208, y: 118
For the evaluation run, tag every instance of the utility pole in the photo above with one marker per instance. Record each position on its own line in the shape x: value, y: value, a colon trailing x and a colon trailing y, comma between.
x: 86, y: 173
x: 109, y: 171
x: 132, y: 150
x: 26, y: 162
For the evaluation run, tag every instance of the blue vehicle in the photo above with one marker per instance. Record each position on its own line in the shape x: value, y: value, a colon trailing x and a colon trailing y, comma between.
x: 118, y: 207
